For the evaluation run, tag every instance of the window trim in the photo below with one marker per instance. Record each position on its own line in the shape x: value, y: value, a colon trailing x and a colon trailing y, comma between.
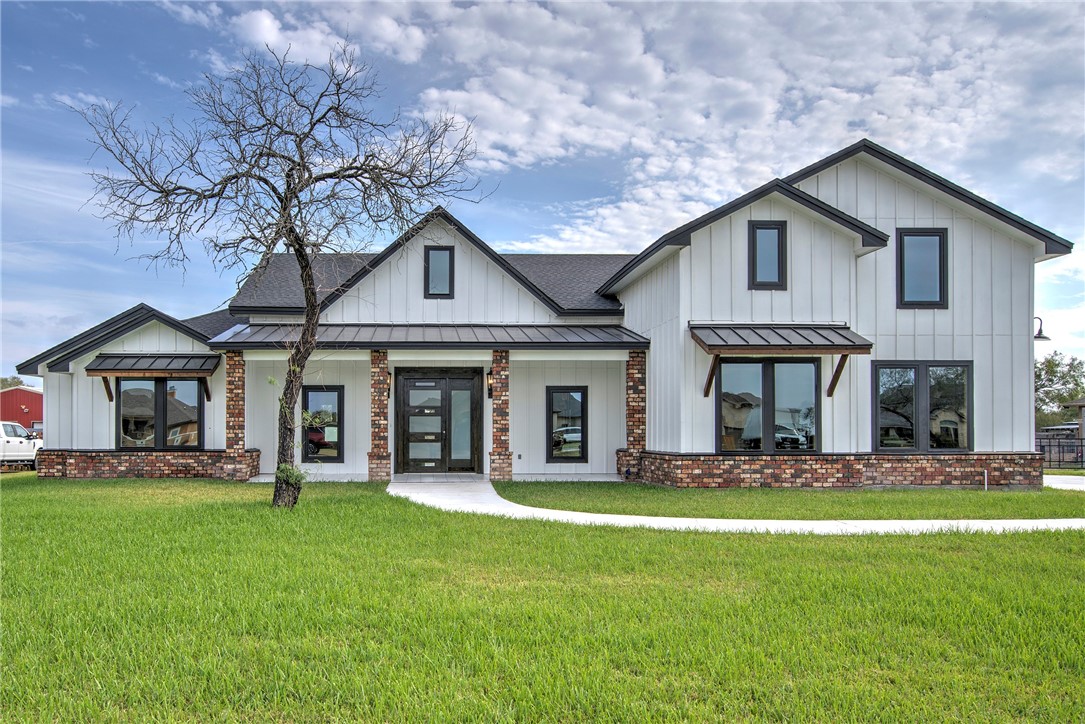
x: 751, y: 247
x: 768, y: 401
x: 550, y: 390
x: 160, y: 438
x: 922, y: 397
x: 340, y: 399
x: 451, y: 272
x: 943, y: 268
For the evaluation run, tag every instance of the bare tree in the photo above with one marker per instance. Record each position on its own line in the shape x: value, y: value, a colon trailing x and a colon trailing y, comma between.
x: 278, y: 155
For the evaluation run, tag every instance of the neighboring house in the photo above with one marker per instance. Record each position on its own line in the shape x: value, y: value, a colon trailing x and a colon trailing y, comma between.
x: 862, y: 321
x: 23, y: 405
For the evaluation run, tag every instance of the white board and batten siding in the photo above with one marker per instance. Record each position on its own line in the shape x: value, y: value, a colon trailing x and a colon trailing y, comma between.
x: 991, y: 285
x: 393, y: 292
x: 988, y: 322
x: 79, y: 416
x: 528, y: 438
x: 263, y: 385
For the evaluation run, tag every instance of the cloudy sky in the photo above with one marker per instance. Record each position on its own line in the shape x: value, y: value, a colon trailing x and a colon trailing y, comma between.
x: 600, y: 126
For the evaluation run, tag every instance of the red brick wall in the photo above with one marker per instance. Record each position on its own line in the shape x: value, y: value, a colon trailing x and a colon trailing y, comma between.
x: 235, y: 402
x: 500, y: 455
x: 225, y: 464
x: 380, y: 461
x: 628, y: 458
x: 840, y: 471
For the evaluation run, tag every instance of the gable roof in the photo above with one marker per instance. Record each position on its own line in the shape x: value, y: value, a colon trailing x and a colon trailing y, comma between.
x: 683, y: 234
x: 1053, y: 244
x: 61, y: 355
x: 277, y: 290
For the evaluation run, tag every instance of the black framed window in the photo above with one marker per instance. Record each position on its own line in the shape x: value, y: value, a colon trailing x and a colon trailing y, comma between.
x: 922, y: 406
x: 768, y: 254
x: 440, y: 272
x: 768, y: 405
x: 566, y: 424
x: 922, y: 256
x: 159, y: 414
x: 322, y: 422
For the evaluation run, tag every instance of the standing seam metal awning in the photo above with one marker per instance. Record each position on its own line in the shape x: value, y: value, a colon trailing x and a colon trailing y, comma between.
x: 783, y: 339
x: 153, y: 365
x: 447, y: 336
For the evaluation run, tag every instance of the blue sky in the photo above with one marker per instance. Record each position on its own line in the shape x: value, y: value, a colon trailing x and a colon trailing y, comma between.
x: 600, y: 126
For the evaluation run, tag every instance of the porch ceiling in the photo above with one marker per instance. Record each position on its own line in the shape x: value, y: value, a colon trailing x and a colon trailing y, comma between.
x: 444, y: 336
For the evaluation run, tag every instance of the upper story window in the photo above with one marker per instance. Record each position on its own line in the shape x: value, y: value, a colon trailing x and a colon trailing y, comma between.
x: 921, y: 269
x: 440, y: 272
x: 160, y: 414
x: 768, y: 255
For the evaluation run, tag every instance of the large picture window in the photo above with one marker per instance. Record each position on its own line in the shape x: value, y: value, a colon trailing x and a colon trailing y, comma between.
x: 567, y: 424
x: 769, y: 406
x: 440, y: 272
x: 921, y: 269
x: 922, y: 406
x: 159, y: 414
x: 322, y: 422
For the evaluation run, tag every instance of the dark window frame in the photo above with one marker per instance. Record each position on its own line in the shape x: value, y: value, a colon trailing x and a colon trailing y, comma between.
x: 451, y: 272
x: 340, y: 391
x: 768, y: 402
x: 160, y: 430
x: 781, y: 228
x: 921, y: 429
x: 943, y: 268
x: 550, y: 390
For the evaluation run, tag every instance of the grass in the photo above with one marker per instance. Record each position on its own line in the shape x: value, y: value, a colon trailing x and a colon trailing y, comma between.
x: 1065, y: 471
x: 194, y: 600
x: 766, y: 503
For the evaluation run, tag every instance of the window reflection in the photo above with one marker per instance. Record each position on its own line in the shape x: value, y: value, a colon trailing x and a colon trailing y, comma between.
x: 137, y: 413
x: 740, y: 406
x: 948, y: 408
x: 321, y: 410
x: 896, y: 407
x: 566, y: 424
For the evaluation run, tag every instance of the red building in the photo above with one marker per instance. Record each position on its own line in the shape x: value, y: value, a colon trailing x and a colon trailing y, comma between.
x: 22, y: 405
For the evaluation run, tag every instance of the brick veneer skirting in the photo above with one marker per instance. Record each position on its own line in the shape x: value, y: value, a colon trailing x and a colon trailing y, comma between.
x: 223, y: 464
x: 837, y: 471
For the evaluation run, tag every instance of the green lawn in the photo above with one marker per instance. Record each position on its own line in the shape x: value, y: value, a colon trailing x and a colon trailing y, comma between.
x: 798, y: 504
x: 140, y: 600
x: 1065, y: 471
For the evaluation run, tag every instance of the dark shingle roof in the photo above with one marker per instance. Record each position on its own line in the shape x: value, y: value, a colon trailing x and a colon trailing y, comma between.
x: 277, y: 285
x: 571, y: 279
x: 215, y: 323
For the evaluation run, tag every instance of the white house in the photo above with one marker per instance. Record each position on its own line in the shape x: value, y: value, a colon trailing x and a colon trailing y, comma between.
x: 860, y: 322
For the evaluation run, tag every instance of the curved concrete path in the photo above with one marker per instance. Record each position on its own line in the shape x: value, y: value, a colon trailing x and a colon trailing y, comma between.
x: 480, y: 497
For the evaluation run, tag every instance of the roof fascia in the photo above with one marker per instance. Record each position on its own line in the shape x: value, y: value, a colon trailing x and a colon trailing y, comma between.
x: 59, y: 357
x: 1053, y: 244
x: 440, y: 212
x: 683, y: 235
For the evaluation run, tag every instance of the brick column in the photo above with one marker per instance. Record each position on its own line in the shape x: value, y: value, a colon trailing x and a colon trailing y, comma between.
x: 235, y: 402
x: 628, y: 459
x: 380, y: 461
x: 500, y: 456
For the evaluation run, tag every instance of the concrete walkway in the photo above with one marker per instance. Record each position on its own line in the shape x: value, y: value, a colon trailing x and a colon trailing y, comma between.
x: 478, y: 496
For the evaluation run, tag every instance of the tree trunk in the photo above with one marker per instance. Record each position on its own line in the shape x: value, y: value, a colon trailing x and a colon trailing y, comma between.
x: 286, y: 492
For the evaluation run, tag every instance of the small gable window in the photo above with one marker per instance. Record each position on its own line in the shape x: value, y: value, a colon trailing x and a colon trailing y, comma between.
x: 440, y: 272
x: 921, y: 269
x: 768, y: 254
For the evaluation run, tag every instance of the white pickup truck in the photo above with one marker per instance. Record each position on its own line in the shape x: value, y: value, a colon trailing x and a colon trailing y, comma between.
x: 17, y: 445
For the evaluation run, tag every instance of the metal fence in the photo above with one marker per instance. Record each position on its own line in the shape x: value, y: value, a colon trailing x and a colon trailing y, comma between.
x: 1061, y: 453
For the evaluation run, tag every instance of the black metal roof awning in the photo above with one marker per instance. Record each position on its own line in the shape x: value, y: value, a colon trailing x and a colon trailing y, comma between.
x: 153, y: 365
x: 782, y: 339
x: 443, y: 336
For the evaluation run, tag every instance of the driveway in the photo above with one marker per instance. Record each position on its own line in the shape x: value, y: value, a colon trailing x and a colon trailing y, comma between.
x: 478, y: 496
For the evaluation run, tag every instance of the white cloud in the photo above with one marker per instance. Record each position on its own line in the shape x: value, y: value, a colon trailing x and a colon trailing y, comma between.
x: 205, y: 15
x: 27, y: 68
x: 7, y: 101
x: 311, y: 41
x: 80, y: 99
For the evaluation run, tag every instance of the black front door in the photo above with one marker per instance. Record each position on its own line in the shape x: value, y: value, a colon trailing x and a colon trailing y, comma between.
x: 438, y: 421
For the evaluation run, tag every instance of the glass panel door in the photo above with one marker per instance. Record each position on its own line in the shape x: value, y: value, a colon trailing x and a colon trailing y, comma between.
x: 425, y: 433
x: 438, y: 421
